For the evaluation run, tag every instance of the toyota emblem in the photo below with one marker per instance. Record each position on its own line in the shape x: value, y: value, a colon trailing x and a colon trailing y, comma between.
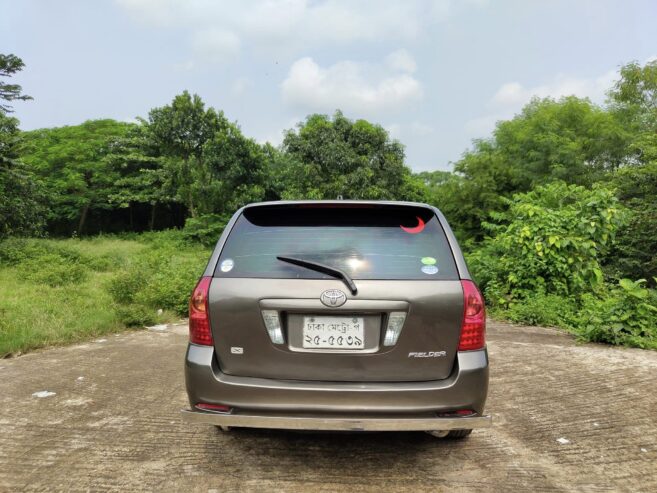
x: 333, y: 298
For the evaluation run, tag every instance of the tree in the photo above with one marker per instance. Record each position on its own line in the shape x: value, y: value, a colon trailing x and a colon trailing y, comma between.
x: 331, y: 157
x: 71, y: 163
x: 180, y: 131
x: 9, y: 65
x: 21, y: 211
x: 236, y: 172
x: 143, y: 177
x: 570, y: 140
x: 633, y: 101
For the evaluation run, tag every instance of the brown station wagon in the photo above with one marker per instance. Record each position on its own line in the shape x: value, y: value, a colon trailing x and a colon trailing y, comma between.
x: 338, y: 315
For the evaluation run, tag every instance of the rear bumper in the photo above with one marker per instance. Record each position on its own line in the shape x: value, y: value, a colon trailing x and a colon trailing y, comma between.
x: 337, y: 423
x: 299, y: 404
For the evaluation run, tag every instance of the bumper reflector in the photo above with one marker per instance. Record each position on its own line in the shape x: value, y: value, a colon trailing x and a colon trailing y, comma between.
x: 395, y: 324
x: 217, y: 408
x: 273, y: 325
x: 457, y: 414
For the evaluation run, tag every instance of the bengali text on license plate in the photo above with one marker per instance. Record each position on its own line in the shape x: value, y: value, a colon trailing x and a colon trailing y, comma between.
x: 333, y: 333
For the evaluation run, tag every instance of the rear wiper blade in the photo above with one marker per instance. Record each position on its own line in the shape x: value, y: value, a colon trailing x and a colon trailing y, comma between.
x: 326, y: 269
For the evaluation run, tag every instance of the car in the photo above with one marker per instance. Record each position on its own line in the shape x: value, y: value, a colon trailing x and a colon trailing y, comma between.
x: 338, y: 315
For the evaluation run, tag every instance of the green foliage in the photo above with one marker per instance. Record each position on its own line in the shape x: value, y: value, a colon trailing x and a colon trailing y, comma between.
x: 71, y: 162
x: 330, y: 157
x: 209, y: 165
x: 556, y: 210
x: 550, y: 241
x: 52, y: 270
x: 569, y: 140
x: 142, y: 175
x: 548, y: 310
x: 635, y: 252
x: 9, y: 65
x: 624, y: 314
x: 51, y: 291
x: 161, y: 277
x: 205, y: 229
x: 58, y: 291
x: 15, y: 251
x: 21, y: 212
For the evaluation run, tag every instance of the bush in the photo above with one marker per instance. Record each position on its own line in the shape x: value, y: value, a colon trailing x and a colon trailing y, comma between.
x: 543, y: 267
x: 541, y: 309
x: 52, y: 270
x: 136, y: 315
x: 551, y: 240
x: 14, y: 251
x: 161, y: 277
x: 205, y: 229
x: 625, y: 314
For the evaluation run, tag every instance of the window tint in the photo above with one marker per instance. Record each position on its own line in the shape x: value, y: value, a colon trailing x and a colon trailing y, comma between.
x: 368, y: 242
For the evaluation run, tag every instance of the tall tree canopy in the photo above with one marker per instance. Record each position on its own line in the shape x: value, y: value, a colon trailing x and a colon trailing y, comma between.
x: 330, y: 157
x: 71, y: 162
x: 21, y: 212
x: 9, y: 65
x: 571, y: 140
x: 213, y: 167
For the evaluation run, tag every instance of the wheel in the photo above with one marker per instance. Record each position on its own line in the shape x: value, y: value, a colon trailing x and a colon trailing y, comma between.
x: 458, y: 434
x: 452, y: 435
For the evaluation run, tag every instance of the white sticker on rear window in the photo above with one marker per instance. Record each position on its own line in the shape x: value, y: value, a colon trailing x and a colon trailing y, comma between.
x: 429, y: 269
x: 227, y: 265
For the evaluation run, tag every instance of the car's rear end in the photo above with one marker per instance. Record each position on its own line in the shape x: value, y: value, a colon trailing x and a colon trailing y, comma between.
x: 337, y: 315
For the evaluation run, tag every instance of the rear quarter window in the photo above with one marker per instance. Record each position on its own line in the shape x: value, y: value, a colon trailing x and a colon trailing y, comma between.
x: 375, y: 242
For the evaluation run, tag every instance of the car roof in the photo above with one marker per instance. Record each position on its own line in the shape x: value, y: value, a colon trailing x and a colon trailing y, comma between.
x: 274, y: 203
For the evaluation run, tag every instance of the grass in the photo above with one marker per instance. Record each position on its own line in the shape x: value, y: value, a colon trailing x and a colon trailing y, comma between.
x: 55, y: 292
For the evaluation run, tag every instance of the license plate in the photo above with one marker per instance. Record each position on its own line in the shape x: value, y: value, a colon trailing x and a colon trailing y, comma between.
x: 333, y: 333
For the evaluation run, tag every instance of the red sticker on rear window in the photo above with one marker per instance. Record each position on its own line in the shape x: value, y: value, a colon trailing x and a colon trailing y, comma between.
x: 415, y: 229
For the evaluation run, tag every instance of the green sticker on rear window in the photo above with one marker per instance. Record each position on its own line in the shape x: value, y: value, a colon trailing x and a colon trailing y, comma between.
x: 428, y: 260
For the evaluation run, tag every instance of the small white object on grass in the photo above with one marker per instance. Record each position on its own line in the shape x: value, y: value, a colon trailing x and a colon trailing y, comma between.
x: 43, y: 393
x: 643, y: 450
x: 79, y: 379
x: 563, y: 441
x: 160, y: 311
x: 159, y: 327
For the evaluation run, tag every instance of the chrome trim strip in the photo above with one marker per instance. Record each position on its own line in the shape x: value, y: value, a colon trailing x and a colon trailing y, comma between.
x: 336, y: 423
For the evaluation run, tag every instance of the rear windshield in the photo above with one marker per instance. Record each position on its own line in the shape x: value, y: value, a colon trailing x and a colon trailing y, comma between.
x: 381, y: 242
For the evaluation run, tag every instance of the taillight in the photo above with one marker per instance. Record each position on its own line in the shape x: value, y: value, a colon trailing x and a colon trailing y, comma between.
x: 199, y: 320
x: 473, y: 327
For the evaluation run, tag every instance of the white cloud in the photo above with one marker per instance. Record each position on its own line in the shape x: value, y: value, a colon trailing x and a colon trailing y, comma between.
x: 515, y: 95
x: 350, y: 86
x: 409, y: 131
x: 401, y: 60
x: 216, y: 45
x: 241, y: 85
x: 421, y: 129
x: 395, y: 130
x: 294, y: 24
x: 512, y: 96
x: 275, y: 137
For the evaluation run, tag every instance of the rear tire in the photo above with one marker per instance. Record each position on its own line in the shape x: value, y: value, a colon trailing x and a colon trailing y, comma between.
x: 450, y: 435
x: 458, y: 434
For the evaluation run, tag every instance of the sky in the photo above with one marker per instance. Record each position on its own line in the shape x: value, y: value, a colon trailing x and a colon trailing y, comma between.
x: 435, y: 74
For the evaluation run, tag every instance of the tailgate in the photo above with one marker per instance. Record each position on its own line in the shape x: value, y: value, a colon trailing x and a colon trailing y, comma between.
x: 425, y: 350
